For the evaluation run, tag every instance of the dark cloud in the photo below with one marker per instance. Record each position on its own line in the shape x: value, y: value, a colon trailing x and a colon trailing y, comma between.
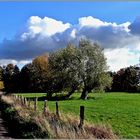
x: 135, y: 26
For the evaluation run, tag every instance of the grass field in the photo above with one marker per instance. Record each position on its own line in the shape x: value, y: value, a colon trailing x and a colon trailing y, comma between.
x: 120, y: 110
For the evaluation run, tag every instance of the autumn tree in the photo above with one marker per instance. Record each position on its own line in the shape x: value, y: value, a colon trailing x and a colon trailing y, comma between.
x: 42, y: 72
x: 35, y: 75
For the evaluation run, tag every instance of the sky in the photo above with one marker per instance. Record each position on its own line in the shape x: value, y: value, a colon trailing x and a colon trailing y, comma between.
x: 28, y: 29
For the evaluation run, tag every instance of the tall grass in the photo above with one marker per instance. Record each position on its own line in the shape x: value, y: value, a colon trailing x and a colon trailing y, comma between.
x: 51, y: 126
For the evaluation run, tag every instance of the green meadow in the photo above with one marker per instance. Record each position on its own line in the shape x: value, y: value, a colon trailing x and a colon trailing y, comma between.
x: 119, y: 110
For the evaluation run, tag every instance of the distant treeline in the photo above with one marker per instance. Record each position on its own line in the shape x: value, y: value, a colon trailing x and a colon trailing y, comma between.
x: 126, y: 80
x: 73, y: 68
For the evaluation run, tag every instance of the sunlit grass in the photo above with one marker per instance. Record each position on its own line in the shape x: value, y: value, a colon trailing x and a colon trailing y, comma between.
x: 121, y: 110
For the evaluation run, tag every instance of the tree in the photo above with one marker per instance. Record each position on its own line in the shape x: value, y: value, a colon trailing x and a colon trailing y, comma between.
x: 118, y: 79
x: 64, y: 70
x: 105, y: 82
x: 127, y: 80
x: 1, y: 85
x: 131, y: 77
x: 1, y: 79
x: 111, y: 77
x: 41, y: 62
x: 83, y: 66
x: 1, y: 73
x: 35, y: 75
x: 92, y: 66
x: 27, y: 78
x: 42, y: 72
x: 16, y: 79
x: 7, y: 78
x: 11, y: 78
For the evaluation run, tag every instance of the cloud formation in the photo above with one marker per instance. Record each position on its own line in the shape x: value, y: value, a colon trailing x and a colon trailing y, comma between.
x: 121, y: 58
x: 15, y: 62
x: 120, y: 41
x: 135, y: 26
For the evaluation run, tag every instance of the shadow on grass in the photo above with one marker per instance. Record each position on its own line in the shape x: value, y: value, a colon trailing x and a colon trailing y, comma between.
x: 91, y: 98
x: 64, y: 98
x: 60, y: 97
x: 54, y: 98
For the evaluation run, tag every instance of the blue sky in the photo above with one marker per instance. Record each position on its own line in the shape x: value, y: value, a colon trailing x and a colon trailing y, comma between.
x: 115, y: 25
x: 17, y: 13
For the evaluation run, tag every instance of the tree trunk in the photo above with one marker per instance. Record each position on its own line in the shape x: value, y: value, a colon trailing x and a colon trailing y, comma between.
x: 49, y: 96
x: 70, y: 93
x: 84, y: 94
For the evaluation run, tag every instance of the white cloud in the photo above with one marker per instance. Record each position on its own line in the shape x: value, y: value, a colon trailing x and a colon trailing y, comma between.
x: 73, y: 33
x: 20, y: 64
x: 138, y: 47
x: 125, y: 26
x: 33, y: 20
x: 23, y: 62
x: 7, y: 61
x: 94, y: 22
x: 46, y: 27
x: 120, y: 41
x: 121, y: 58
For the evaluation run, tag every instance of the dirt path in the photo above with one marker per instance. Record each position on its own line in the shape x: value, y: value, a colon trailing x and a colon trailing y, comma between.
x: 3, y: 132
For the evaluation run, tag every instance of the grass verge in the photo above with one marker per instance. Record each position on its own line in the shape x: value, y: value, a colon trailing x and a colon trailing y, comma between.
x: 24, y: 122
x: 19, y: 124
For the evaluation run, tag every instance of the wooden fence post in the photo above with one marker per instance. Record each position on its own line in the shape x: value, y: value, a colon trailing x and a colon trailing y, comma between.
x: 18, y: 98
x: 22, y: 100
x: 35, y: 103
x: 15, y: 97
x: 45, y: 106
x: 57, y: 110
x: 82, y: 110
x: 25, y: 101
x: 29, y: 102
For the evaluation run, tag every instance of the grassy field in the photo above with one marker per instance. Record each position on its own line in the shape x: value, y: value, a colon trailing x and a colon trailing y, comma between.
x: 120, y: 110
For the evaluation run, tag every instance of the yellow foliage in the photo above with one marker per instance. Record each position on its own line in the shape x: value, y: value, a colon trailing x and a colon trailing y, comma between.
x: 1, y: 85
x: 41, y: 62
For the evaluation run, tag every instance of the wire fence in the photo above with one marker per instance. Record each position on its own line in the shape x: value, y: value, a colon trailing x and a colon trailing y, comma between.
x: 33, y: 104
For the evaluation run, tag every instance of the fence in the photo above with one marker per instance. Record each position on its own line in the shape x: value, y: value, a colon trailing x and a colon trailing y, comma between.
x: 27, y: 103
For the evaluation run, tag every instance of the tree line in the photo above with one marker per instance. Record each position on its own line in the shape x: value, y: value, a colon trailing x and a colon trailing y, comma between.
x: 80, y: 68
x: 126, y: 80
